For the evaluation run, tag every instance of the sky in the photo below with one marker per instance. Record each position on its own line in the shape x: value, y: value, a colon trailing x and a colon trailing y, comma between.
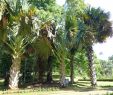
x: 60, y: 2
x: 104, y: 50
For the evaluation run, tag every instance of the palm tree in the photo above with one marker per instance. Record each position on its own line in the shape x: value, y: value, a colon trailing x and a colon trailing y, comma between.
x: 43, y: 50
x: 43, y: 47
x: 18, y: 36
x: 97, y: 29
x: 17, y: 45
x: 71, y: 28
x: 61, y: 53
x: 92, y: 28
x: 73, y: 11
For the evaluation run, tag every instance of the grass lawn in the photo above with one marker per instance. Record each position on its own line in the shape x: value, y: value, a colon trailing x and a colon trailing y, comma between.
x: 78, y: 88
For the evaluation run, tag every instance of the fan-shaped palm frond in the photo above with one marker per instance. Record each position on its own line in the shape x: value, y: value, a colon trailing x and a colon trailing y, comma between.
x: 98, y: 20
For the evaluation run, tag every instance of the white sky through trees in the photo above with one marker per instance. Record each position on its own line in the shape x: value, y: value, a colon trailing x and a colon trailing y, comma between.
x: 104, y: 50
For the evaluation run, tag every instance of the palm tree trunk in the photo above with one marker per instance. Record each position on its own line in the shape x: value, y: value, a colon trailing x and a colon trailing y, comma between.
x: 41, y: 70
x: 72, y: 69
x: 14, y: 73
x: 62, y: 73
x: 49, y: 69
x: 92, y: 71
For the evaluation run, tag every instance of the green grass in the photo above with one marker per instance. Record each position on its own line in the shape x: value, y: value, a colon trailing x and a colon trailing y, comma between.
x: 31, y: 91
x: 25, y: 92
x: 79, y: 86
x: 110, y: 94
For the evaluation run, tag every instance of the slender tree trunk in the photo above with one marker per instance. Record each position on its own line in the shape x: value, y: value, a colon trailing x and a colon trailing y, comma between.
x: 72, y: 69
x: 49, y: 70
x: 62, y: 73
x: 14, y: 73
x: 41, y: 70
x: 92, y: 71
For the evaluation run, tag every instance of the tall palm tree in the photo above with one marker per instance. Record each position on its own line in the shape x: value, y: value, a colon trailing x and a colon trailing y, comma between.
x: 97, y: 29
x: 43, y: 50
x: 61, y: 53
x: 43, y: 47
x: 71, y: 28
x: 19, y: 28
x: 73, y: 11
x: 93, y: 27
x: 16, y: 43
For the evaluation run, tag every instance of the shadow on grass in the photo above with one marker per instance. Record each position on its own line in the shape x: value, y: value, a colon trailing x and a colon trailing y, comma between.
x: 80, y: 86
x: 109, y: 88
x: 83, y: 86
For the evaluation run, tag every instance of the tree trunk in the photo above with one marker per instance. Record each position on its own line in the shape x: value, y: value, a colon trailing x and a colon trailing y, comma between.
x: 14, y: 73
x: 49, y: 69
x: 72, y: 69
x: 49, y: 76
x: 62, y: 73
x: 41, y: 70
x: 92, y: 71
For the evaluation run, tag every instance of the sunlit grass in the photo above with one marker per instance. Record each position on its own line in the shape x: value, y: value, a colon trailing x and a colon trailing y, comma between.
x: 31, y: 91
x: 78, y: 86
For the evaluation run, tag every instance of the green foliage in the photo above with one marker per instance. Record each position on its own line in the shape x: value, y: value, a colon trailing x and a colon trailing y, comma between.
x: 104, y: 69
x: 4, y: 17
x: 43, y: 4
x: 81, y: 63
x: 71, y: 27
x: 28, y: 70
x: 110, y: 58
x: 5, y: 63
x: 43, y: 47
x: 98, y: 22
x: 47, y: 9
x: 17, y: 46
x: 75, y: 7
